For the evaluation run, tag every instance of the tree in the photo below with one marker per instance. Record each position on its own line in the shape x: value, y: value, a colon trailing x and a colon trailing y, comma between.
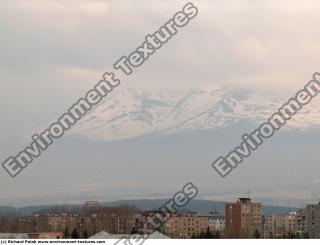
x: 85, y: 234
x: 208, y: 233
x: 202, y: 235
x: 134, y: 230
x: 74, y: 234
x: 66, y: 233
x: 256, y: 234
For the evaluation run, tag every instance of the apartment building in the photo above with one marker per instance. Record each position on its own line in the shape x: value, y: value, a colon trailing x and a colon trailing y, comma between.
x: 117, y: 222
x: 26, y: 225
x: 243, y: 219
x: 289, y: 225
x: 313, y: 220
x: 268, y: 225
x: 186, y: 226
x: 90, y: 224
x: 216, y: 222
x: 56, y: 222
x: 302, y: 223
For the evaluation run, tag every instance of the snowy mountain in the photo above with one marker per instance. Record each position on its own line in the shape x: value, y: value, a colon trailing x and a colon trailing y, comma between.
x: 131, y: 113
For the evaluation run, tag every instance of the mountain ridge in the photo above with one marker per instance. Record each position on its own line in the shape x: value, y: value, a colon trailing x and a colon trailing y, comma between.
x: 197, y: 205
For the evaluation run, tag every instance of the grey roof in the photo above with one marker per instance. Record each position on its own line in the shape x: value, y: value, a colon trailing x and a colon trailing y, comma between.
x: 212, y: 214
x: 158, y: 235
x: 13, y: 236
x: 106, y: 235
x: 101, y: 235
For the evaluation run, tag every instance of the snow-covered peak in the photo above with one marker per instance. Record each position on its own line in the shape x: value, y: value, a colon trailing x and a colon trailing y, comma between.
x: 129, y: 113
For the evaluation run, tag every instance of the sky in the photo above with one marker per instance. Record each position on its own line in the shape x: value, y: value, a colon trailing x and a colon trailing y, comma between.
x: 52, y: 52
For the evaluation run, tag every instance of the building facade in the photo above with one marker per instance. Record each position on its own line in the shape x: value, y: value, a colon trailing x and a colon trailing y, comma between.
x: 313, y: 220
x: 302, y: 223
x: 268, y: 225
x: 26, y: 225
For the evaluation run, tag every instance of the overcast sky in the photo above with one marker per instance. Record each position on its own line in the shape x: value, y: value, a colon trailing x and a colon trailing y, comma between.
x: 52, y: 48
x: 51, y: 52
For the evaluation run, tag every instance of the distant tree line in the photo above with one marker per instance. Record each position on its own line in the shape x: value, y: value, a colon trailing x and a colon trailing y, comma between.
x: 208, y: 235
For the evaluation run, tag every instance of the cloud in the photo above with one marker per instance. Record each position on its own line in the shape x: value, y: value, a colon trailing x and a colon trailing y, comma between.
x: 261, y: 45
x: 316, y: 181
x: 94, y: 7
